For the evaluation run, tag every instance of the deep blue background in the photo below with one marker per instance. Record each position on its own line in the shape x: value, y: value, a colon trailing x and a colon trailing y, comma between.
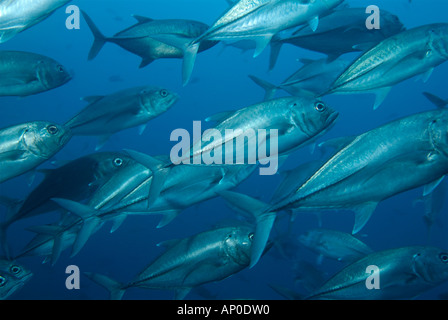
x: 219, y: 82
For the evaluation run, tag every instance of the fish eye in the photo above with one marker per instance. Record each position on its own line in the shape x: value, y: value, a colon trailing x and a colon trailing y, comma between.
x: 320, y: 106
x: 15, y: 269
x: 163, y: 93
x: 60, y: 68
x: 444, y: 257
x: 2, y: 281
x: 118, y: 162
x: 52, y: 129
x: 251, y: 236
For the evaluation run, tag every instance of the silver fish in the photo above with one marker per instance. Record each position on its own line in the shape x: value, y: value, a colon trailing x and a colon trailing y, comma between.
x: 25, y: 146
x: 404, y: 273
x: 315, y: 76
x: 19, y: 15
x: 106, y: 115
x: 334, y: 244
x: 258, y: 20
x: 26, y: 73
x: 410, y: 53
x: 308, y: 118
x: 141, y: 38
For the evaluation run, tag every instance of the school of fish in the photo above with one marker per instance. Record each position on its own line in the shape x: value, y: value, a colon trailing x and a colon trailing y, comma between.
x: 365, y: 169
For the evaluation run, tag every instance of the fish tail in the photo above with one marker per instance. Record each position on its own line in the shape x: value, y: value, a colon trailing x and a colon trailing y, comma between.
x: 269, y: 88
x: 99, y: 39
x: 264, y: 220
x: 115, y: 288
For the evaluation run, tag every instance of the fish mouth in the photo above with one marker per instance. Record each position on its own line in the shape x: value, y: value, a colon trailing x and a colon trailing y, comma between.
x: 332, y: 118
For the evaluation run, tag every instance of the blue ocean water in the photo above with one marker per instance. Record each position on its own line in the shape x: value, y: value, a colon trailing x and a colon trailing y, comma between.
x: 219, y: 82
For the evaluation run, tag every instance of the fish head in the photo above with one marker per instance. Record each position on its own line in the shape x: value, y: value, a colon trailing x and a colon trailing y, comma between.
x: 108, y: 163
x: 438, y: 133
x: 44, y: 138
x: 238, y: 244
x: 312, y: 115
x: 431, y: 264
x: 51, y: 74
x: 157, y: 100
x: 439, y: 35
x: 12, y: 277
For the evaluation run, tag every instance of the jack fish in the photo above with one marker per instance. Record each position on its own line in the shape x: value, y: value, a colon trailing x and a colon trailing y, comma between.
x: 25, y: 73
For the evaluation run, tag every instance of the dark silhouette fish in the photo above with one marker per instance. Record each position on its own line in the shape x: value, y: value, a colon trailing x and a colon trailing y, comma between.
x: 75, y: 180
x: 187, y: 263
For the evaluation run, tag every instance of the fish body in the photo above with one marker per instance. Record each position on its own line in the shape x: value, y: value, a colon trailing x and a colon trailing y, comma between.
x: 106, y: 115
x: 187, y: 263
x: 306, y: 119
x: 142, y: 39
x: 12, y: 278
x: 26, y: 73
x: 410, y: 53
x: 396, y: 157
x: 19, y: 15
x: 403, y: 273
x: 75, y: 180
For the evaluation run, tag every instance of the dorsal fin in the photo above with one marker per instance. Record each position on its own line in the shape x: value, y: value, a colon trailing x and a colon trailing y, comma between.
x: 142, y: 19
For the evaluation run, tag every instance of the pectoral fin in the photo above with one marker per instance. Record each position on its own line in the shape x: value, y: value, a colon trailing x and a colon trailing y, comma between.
x: 260, y: 43
x: 429, y: 188
x: 362, y: 215
x: 13, y: 155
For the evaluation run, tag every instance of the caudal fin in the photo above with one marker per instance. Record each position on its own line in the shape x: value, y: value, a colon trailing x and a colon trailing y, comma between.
x: 115, y: 288
x: 263, y: 220
x: 99, y: 39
